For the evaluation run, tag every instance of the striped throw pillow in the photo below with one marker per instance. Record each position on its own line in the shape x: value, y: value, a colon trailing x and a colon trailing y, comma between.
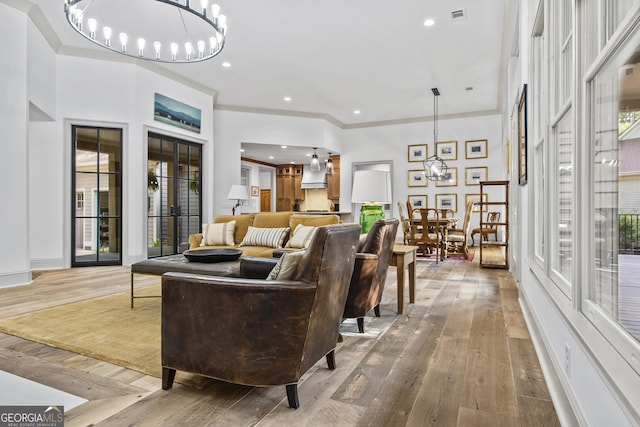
x: 266, y: 237
x: 218, y: 234
x: 286, y: 266
x: 301, y: 237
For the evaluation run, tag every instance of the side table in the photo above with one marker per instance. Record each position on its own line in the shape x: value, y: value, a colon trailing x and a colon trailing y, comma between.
x: 404, y: 257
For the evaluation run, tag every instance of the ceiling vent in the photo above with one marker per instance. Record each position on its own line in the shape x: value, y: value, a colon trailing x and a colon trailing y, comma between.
x: 458, y: 14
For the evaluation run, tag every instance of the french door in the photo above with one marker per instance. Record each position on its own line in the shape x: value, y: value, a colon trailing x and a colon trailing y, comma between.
x: 96, y: 230
x: 174, y: 201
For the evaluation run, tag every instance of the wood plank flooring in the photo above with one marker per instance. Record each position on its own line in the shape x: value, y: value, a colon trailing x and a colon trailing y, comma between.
x: 460, y: 356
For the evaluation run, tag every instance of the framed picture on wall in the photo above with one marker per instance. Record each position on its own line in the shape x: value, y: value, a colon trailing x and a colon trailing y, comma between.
x: 255, y: 191
x: 449, y: 178
x: 418, y: 201
x: 417, y: 178
x: 417, y: 153
x: 447, y: 150
x: 475, y: 198
x: 473, y: 176
x: 522, y: 137
x: 447, y: 201
x: 476, y: 149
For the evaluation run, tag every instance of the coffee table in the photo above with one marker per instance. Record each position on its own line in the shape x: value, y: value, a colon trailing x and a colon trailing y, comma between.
x: 178, y: 263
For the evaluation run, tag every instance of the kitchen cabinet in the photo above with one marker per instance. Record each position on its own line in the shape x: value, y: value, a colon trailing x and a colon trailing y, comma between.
x: 288, y: 178
x: 333, y: 180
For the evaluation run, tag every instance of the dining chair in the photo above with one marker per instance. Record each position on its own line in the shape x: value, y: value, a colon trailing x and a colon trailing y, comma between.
x: 486, y: 231
x: 426, y: 233
x: 405, y: 224
x: 457, y: 238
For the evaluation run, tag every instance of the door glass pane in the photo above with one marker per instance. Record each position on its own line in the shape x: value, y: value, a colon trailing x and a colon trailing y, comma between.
x: 173, y: 194
x: 97, y: 208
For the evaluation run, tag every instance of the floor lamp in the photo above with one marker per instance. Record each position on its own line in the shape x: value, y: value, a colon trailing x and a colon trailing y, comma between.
x: 371, y: 188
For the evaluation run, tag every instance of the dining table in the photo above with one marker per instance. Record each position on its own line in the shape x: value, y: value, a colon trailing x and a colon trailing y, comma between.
x: 441, y: 224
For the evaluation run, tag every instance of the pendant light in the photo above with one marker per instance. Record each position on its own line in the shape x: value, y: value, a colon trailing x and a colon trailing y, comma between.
x: 315, y: 162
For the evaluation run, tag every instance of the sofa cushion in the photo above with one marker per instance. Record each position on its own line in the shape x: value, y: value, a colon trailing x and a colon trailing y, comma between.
x: 272, y: 219
x: 269, y: 237
x: 242, y: 224
x: 301, y: 236
x: 218, y: 234
x: 286, y: 266
x: 314, y: 220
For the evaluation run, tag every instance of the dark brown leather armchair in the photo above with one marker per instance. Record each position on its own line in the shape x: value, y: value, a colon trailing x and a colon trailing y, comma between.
x: 257, y: 332
x: 370, y: 271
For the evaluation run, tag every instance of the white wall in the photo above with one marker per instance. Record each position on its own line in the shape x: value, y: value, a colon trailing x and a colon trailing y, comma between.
x: 233, y: 128
x: 391, y: 143
x: 14, y: 174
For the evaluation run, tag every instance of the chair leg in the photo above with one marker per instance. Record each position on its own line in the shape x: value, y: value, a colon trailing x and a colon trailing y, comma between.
x: 331, y: 359
x: 292, y: 396
x: 168, y: 375
x: 376, y: 310
x: 361, y: 324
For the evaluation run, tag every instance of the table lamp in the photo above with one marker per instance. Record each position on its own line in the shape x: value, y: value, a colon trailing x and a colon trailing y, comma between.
x: 237, y: 192
x: 371, y: 188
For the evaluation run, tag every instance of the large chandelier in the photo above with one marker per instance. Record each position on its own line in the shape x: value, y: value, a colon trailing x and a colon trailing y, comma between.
x: 435, y: 168
x: 178, y: 32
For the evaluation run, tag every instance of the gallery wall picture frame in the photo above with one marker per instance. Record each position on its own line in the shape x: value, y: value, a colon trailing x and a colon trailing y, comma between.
x: 449, y: 178
x: 476, y: 149
x: 418, y: 201
x: 417, y: 152
x: 416, y: 178
x: 473, y: 175
x: 447, y: 150
x: 255, y: 191
x: 447, y: 201
x: 522, y: 137
x: 475, y: 198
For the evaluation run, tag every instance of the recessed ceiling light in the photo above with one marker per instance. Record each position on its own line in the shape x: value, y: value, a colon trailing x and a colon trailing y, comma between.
x: 283, y: 146
x: 242, y: 150
x: 271, y: 157
x: 429, y: 22
x: 226, y: 64
x: 356, y: 112
x: 308, y: 154
x: 292, y: 162
x: 287, y: 99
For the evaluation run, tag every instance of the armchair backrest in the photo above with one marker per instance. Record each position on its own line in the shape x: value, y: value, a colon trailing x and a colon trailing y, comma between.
x: 467, y: 218
x: 328, y: 262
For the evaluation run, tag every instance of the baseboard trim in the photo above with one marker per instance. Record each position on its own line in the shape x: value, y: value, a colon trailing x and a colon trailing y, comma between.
x: 48, y: 264
x: 561, y: 396
x: 18, y: 278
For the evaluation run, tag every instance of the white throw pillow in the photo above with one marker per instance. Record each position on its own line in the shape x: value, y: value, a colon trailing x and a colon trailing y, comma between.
x: 301, y: 237
x: 218, y: 234
x: 267, y: 237
x: 286, y: 266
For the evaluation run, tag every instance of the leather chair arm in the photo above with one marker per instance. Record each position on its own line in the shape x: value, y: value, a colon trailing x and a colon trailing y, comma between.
x: 364, y: 270
x: 256, y: 267
x: 209, y: 315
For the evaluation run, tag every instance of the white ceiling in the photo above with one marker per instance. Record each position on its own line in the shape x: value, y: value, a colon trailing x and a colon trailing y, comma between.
x: 336, y: 56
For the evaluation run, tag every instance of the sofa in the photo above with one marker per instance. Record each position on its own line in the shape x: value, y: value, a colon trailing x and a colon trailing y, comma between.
x: 260, y: 234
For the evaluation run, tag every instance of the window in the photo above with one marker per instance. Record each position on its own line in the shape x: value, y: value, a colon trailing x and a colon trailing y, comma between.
x: 80, y: 201
x: 539, y: 102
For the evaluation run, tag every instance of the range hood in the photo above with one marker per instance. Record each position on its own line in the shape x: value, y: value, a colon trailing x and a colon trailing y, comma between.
x: 311, y: 179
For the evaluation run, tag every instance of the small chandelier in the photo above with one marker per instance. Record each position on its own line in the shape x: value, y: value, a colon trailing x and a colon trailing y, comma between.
x: 185, y: 33
x: 329, y: 165
x: 435, y: 168
x: 315, y: 162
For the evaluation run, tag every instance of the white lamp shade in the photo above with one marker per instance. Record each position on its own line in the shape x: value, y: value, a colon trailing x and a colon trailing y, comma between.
x: 238, y: 192
x: 371, y: 186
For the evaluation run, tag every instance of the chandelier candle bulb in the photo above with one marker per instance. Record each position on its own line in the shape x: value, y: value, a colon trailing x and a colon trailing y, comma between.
x: 141, y: 44
x: 92, y: 24
x: 188, y: 47
x: 157, y: 46
x: 106, y: 31
x: 201, y: 46
x: 174, y: 51
x: 123, y: 41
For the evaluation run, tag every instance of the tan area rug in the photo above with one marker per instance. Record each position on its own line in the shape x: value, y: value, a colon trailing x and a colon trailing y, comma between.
x: 105, y: 328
